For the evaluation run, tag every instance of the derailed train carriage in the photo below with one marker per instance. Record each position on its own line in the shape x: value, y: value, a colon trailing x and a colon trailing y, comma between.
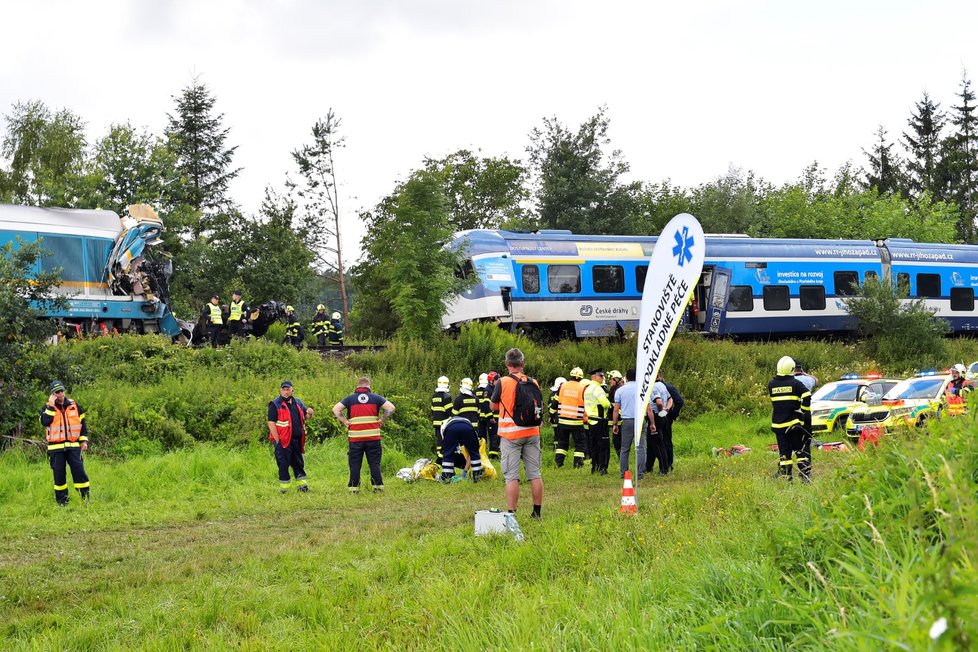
x: 591, y: 285
x: 112, y: 278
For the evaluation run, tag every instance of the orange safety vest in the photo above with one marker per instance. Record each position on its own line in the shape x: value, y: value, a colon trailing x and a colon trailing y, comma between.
x: 570, y: 411
x: 283, y: 423
x: 508, y: 429
x: 66, y: 426
x: 955, y: 402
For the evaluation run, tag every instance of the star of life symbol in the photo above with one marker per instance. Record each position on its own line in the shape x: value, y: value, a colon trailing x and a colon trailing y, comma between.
x: 363, y: 398
x: 684, y: 243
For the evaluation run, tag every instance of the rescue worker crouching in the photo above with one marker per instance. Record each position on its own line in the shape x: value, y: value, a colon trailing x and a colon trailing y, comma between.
x: 441, y: 410
x: 66, y: 433
x: 570, y: 419
x: 320, y: 326
x: 791, y: 420
x: 293, y: 328
x: 456, y: 432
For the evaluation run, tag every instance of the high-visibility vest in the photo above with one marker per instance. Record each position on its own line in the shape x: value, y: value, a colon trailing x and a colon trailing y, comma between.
x: 595, y: 400
x: 216, y: 317
x: 956, y: 401
x: 571, y: 404
x: 237, y: 310
x: 364, y: 419
x: 283, y: 423
x: 66, y: 425
x: 508, y: 429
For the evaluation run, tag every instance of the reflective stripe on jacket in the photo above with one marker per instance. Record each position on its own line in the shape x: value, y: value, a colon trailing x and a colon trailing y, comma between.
x: 66, y: 425
x: 364, y: 419
x: 283, y: 423
x: 570, y: 411
x: 237, y: 311
x: 217, y: 317
x: 507, y: 397
x: 596, y: 403
x: 441, y: 403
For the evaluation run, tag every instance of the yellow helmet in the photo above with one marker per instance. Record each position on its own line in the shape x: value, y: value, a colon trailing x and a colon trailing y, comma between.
x: 786, y: 366
x: 614, y: 374
x: 577, y: 372
x: 289, y: 309
x: 321, y: 308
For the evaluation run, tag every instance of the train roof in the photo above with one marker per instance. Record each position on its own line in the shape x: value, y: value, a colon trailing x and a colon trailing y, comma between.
x: 566, y: 243
x: 69, y: 221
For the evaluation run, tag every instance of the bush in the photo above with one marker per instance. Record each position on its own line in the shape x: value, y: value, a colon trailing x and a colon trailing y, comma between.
x: 898, y: 331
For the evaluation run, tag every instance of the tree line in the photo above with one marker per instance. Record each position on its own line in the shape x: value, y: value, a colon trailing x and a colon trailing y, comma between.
x: 571, y: 178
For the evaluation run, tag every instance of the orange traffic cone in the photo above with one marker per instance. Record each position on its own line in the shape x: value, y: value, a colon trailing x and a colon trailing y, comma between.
x: 628, y: 504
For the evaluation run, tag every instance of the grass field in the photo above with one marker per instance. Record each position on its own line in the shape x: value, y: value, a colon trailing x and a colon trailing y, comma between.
x: 196, y: 549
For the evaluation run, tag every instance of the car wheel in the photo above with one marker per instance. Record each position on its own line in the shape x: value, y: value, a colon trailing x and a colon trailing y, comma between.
x: 840, y: 424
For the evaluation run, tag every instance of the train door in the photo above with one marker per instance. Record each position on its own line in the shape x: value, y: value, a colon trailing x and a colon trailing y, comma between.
x: 716, y: 289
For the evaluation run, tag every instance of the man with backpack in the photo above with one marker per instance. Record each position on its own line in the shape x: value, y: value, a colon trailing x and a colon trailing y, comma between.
x: 519, y: 402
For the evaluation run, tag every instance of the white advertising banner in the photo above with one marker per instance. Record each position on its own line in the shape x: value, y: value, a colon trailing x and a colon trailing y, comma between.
x: 674, y: 270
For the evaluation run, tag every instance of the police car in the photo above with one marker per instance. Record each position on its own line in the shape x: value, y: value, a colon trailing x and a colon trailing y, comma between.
x: 910, y: 403
x: 834, y: 402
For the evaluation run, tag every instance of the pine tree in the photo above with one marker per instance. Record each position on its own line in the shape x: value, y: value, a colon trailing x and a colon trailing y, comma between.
x: 923, y: 145
x: 197, y: 137
x: 884, y: 171
x: 961, y: 159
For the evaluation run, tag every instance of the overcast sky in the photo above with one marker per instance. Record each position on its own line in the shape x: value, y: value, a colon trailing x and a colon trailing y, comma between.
x: 692, y: 88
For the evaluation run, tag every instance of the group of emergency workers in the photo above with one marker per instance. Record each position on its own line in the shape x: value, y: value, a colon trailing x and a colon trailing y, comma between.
x: 327, y: 329
x: 233, y: 319
x: 465, y: 421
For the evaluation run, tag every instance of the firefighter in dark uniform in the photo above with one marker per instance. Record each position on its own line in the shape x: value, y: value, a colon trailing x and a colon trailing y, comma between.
x: 293, y: 328
x: 320, y: 326
x: 791, y: 420
x: 441, y: 409
x: 553, y: 407
x: 237, y: 315
x: 493, y: 425
x: 67, y: 436
x: 214, y: 317
x: 336, y: 331
x: 465, y: 405
x: 485, y: 413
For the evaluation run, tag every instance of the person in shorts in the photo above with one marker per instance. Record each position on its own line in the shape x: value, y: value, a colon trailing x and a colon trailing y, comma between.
x: 517, y: 443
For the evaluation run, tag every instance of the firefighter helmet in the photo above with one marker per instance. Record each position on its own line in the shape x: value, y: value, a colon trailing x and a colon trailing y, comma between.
x: 614, y: 374
x: 958, y: 368
x: 336, y: 315
x: 443, y: 384
x: 321, y: 308
x: 577, y: 372
x: 786, y: 366
x: 465, y: 385
x: 492, y: 376
x: 483, y: 379
x: 289, y: 309
x: 558, y: 381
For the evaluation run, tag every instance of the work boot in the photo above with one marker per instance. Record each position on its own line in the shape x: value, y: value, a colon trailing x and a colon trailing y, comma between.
x: 354, y: 490
x: 379, y: 489
x: 302, y: 488
x: 476, y: 475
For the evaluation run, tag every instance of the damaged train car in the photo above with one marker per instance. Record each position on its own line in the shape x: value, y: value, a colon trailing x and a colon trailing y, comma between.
x: 112, y: 277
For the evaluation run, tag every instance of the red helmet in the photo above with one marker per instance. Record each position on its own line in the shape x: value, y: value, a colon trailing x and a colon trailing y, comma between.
x: 492, y: 376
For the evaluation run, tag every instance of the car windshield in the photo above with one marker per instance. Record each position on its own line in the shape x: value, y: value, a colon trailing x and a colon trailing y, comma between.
x: 837, y: 392
x: 916, y: 388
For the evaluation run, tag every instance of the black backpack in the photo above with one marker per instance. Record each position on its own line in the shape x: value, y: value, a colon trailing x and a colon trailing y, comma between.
x: 527, y: 403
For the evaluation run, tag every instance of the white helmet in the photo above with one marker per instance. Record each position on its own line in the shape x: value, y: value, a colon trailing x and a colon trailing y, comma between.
x: 483, y: 380
x: 958, y: 368
x: 786, y: 366
x: 336, y: 315
x: 442, y: 384
x: 465, y: 385
x: 560, y: 380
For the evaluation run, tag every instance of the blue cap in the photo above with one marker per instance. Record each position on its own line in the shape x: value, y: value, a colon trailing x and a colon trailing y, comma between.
x: 56, y: 386
x: 286, y: 383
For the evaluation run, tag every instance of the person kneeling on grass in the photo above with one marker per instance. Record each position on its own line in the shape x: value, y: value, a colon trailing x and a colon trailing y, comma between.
x: 455, y: 432
x: 287, y: 430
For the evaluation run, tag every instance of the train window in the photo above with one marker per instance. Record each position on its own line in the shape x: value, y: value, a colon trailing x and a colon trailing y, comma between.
x: 776, y: 297
x: 846, y: 283
x: 871, y: 275
x: 903, y: 284
x: 608, y: 279
x: 963, y: 299
x: 741, y: 299
x: 929, y: 285
x: 464, y: 270
x: 640, y: 273
x: 531, y: 279
x: 812, y: 297
x: 64, y: 253
x: 96, y: 253
x: 564, y: 279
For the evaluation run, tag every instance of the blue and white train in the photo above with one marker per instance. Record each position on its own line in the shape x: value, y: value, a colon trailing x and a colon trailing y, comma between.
x: 591, y: 285
x: 109, y: 278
